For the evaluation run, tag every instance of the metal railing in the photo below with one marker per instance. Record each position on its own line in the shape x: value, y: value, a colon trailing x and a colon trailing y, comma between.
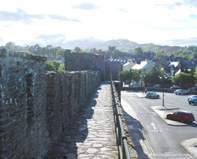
x: 123, y: 149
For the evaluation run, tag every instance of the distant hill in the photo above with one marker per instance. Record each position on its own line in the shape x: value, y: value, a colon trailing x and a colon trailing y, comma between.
x: 121, y: 44
x: 124, y: 45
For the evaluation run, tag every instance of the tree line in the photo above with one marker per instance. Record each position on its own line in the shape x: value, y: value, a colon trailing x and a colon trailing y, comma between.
x: 49, y: 51
x: 157, y: 76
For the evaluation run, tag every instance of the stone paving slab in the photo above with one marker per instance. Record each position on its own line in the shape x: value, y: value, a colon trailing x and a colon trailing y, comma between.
x: 92, y: 134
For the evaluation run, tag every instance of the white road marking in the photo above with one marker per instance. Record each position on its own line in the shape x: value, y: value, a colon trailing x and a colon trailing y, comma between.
x: 153, y: 126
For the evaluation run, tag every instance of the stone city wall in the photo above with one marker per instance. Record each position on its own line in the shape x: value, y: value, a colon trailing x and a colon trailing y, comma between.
x: 83, y: 61
x: 36, y: 107
x: 66, y: 93
x: 113, y: 68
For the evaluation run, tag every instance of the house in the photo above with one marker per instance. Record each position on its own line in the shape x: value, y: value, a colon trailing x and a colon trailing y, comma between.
x: 128, y: 65
x: 143, y: 66
x: 183, y: 65
x: 173, y: 68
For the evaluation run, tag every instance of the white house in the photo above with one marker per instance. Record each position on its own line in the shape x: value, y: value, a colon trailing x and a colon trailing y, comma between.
x: 144, y: 66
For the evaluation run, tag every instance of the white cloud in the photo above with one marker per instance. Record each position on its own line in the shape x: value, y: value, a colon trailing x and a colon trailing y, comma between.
x: 141, y: 21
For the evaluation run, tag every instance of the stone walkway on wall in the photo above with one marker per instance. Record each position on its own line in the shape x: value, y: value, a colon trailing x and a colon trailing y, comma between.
x: 92, y: 134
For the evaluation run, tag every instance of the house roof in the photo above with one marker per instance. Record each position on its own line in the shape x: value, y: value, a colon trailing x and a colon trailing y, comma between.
x: 139, y: 66
x: 126, y: 64
x: 175, y: 64
x: 178, y: 72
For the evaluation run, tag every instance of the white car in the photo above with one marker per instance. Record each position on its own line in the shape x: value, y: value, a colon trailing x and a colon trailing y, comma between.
x: 151, y: 95
x: 181, y: 92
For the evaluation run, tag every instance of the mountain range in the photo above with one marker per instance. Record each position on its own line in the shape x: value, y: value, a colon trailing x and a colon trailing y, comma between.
x: 123, y: 44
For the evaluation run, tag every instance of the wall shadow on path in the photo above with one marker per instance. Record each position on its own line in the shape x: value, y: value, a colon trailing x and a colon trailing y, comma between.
x: 135, y: 130
x: 76, y: 133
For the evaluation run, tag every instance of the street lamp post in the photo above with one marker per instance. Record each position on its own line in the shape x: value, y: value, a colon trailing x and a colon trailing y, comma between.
x: 163, y: 87
x: 163, y: 90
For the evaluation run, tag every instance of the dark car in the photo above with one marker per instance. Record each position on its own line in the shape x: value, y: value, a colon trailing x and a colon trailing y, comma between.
x: 182, y: 116
x: 151, y: 95
x: 193, y: 90
x: 175, y: 87
x: 132, y: 85
x: 157, y: 86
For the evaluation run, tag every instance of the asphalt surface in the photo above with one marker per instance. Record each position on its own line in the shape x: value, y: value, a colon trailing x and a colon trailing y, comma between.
x: 144, y: 149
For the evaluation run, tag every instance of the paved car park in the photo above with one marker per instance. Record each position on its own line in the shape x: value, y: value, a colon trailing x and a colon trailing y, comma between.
x: 172, y: 103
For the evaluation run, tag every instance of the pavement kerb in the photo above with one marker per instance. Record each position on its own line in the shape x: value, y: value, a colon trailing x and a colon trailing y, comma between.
x: 190, y: 146
x: 163, y: 111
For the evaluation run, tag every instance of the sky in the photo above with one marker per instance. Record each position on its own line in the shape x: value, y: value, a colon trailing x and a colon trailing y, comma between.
x: 165, y: 22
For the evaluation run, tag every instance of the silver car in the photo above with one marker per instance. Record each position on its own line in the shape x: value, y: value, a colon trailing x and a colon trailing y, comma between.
x: 181, y: 92
x: 151, y: 95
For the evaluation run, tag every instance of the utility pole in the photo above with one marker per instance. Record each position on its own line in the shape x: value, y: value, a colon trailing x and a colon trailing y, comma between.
x: 163, y: 88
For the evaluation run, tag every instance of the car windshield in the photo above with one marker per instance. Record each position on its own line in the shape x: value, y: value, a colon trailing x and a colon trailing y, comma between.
x: 190, y: 114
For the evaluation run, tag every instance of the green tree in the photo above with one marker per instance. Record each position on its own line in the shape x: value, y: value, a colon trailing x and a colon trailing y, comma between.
x: 158, y: 55
x: 77, y: 49
x: 129, y: 75
x: 59, y: 57
x: 183, y: 79
x: 117, y: 53
x: 125, y: 75
x: 12, y: 46
x: 61, y: 67
x: 153, y: 75
x: 50, y: 66
x: 136, y: 75
x: 60, y: 52
x: 54, y: 66
x: 195, y: 73
x: 138, y: 51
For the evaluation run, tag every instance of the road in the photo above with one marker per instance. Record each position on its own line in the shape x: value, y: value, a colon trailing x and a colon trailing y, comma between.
x: 162, y: 140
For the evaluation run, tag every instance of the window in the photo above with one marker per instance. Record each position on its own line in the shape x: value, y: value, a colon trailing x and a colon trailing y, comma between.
x: 190, y: 114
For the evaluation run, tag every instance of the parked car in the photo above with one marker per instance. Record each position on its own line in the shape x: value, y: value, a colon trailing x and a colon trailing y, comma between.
x: 157, y: 86
x: 182, y: 116
x: 151, y: 95
x: 132, y: 85
x: 192, y: 99
x: 175, y: 87
x: 181, y: 92
x: 193, y: 90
